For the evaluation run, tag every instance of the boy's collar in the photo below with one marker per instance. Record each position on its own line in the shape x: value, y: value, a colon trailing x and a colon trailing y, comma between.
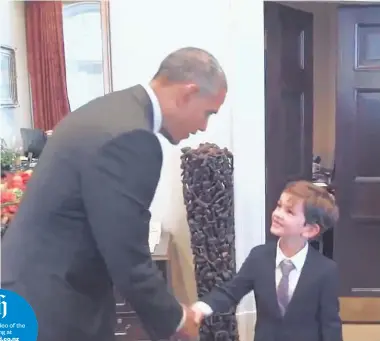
x: 298, y: 259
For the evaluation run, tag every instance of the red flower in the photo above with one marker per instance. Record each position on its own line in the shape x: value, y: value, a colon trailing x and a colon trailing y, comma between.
x: 12, y: 209
x: 12, y: 189
x: 8, y: 196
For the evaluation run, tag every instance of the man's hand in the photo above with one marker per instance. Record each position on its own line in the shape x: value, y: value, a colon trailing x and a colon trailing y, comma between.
x: 198, y: 314
x: 190, y: 326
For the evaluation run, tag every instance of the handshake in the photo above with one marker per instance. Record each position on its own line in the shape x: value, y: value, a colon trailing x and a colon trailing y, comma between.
x: 193, y: 317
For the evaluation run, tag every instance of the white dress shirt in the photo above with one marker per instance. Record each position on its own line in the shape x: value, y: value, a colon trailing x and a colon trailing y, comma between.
x: 298, y: 260
x: 157, y: 113
x: 157, y: 122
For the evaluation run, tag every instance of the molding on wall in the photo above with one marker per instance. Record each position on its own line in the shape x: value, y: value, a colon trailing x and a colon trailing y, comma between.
x: 246, y: 325
x: 352, y: 332
x: 360, y: 309
x: 106, y: 46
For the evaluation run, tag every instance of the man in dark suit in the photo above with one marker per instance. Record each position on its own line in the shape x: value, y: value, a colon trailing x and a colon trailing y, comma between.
x: 83, y: 224
x: 295, y: 287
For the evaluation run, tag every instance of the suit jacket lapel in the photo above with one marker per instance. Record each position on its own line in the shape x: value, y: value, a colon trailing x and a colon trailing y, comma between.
x: 143, y: 98
x: 271, y: 266
x: 307, y: 276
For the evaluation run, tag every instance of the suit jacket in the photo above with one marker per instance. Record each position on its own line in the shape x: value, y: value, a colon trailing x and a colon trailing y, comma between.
x: 83, y: 225
x: 313, y: 312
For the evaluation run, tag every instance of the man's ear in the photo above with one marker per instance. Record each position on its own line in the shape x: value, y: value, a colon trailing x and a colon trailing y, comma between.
x: 185, y: 93
x: 191, y: 90
x: 311, y: 231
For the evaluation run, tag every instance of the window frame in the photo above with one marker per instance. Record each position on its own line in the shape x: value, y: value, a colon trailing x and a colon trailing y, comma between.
x: 74, y: 8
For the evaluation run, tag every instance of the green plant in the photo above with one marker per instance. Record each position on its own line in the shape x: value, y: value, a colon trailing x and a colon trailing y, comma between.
x: 8, y: 156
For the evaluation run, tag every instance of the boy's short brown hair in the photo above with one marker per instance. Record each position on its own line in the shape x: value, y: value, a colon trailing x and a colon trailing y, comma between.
x: 319, y: 205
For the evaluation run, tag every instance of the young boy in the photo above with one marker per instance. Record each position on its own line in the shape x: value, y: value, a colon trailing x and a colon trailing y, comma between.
x: 295, y: 287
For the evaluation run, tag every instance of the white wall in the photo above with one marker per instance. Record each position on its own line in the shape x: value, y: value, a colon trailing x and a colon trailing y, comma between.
x: 12, y: 33
x: 142, y: 34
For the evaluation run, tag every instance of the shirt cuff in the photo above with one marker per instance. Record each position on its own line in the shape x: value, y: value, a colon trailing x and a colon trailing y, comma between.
x: 203, y: 307
x: 183, y: 320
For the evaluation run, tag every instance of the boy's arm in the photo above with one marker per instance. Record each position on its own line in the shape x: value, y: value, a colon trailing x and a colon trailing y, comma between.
x: 223, y: 298
x: 330, y: 322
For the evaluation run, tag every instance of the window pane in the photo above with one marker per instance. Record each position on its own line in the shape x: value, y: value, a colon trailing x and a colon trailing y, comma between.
x: 83, y: 52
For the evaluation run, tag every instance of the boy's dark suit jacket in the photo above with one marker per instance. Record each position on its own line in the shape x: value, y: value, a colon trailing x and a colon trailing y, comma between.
x: 313, y: 312
x: 83, y: 224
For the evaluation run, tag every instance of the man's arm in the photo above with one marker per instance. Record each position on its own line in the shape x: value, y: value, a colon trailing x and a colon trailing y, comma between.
x: 329, y: 319
x: 222, y: 299
x: 117, y: 186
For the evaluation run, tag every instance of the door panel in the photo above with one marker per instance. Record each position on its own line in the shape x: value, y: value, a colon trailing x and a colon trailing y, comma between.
x: 357, y: 237
x: 289, y: 99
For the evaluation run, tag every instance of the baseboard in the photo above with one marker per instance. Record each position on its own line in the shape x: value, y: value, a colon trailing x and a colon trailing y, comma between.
x: 352, y: 332
x: 360, y: 309
x: 246, y: 325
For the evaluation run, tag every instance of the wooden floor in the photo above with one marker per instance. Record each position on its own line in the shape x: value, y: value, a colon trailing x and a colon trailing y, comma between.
x: 352, y: 332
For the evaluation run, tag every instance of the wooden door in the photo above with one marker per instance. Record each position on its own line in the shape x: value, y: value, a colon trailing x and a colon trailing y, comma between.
x: 357, y: 237
x: 289, y: 99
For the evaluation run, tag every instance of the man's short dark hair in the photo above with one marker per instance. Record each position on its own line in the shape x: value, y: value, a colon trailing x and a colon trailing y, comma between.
x: 191, y: 64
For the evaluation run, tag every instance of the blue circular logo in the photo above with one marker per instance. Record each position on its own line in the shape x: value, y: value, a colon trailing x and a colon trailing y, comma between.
x: 17, y: 319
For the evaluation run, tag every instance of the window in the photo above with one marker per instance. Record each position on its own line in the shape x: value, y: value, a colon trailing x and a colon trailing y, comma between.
x: 86, y: 52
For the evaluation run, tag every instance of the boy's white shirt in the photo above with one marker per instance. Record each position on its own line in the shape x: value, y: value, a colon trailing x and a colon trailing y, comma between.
x: 298, y: 260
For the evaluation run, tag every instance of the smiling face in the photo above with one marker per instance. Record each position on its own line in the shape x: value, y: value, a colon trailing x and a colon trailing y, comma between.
x: 190, y: 111
x: 289, y: 221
